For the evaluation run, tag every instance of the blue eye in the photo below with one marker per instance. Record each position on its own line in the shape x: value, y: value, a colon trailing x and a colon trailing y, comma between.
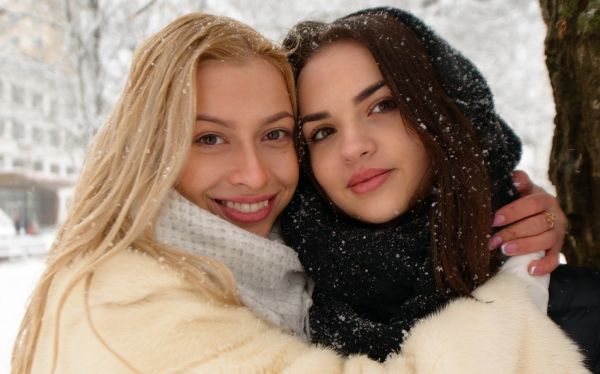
x: 276, y: 134
x: 384, y: 106
x: 209, y: 139
x: 321, y: 133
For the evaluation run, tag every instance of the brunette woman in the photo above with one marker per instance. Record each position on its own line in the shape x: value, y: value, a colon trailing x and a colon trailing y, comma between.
x: 406, y: 162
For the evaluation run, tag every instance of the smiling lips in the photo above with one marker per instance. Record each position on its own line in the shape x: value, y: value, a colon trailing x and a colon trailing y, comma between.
x: 247, y: 209
x: 368, y: 180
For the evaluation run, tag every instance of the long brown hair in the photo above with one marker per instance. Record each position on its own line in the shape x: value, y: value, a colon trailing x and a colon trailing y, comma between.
x: 462, y: 214
x: 136, y: 159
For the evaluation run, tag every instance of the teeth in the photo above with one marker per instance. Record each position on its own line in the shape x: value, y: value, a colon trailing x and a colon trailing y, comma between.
x: 246, y: 208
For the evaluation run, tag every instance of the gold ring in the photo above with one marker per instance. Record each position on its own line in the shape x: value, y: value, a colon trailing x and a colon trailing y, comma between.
x: 551, y: 219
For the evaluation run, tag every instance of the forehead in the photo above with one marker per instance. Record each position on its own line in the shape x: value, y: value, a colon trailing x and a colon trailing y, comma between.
x: 341, y: 69
x: 345, y: 55
x: 256, y: 83
x: 223, y: 75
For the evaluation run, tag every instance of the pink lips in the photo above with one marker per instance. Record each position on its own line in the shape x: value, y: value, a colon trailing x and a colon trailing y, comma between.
x: 368, y: 180
x: 236, y: 215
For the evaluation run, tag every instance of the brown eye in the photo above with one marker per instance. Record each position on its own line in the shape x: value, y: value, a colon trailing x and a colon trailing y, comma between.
x: 276, y: 134
x: 321, y: 133
x: 209, y: 139
x: 384, y: 106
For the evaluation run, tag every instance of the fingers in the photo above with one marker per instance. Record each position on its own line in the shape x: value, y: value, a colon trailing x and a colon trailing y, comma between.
x: 522, y: 246
x: 530, y: 244
x: 522, y: 182
x: 524, y: 207
x: 535, y: 222
x: 550, y: 261
x: 525, y: 228
x: 545, y: 265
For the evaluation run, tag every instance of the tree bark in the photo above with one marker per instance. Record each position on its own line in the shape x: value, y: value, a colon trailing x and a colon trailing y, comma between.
x: 573, y: 60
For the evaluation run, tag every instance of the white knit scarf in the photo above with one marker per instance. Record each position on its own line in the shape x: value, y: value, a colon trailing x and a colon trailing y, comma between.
x: 270, y: 279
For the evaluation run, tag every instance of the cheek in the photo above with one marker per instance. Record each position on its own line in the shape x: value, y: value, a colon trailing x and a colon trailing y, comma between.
x: 324, y: 170
x: 286, y: 167
x: 423, y: 160
x: 186, y: 177
x: 412, y: 151
x: 194, y: 178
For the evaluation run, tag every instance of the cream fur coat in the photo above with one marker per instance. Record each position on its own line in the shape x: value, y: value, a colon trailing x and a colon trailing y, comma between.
x: 157, y: 322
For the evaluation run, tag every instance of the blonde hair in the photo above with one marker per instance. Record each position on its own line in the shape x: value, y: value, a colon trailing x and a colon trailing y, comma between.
x: 136, y: 159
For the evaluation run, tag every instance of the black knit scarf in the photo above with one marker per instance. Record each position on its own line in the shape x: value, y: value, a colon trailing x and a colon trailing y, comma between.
x: 372, y: 281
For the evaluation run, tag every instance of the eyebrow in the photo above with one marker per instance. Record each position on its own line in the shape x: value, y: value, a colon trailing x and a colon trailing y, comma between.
x: 315, y: 117
x: 207, y: 118
x: 277, y: 116
x: 269, y: 120
x: 362, y: 96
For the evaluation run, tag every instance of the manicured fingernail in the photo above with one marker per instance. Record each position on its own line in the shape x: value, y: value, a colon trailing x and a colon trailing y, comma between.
x: 509, y: 249
x: 495, y: 242
x: 534, y: 270
x: 499, y: 219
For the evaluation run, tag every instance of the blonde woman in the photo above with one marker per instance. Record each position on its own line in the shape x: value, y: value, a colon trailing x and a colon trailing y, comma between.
x: 141, y: 277
x: 120, y: 292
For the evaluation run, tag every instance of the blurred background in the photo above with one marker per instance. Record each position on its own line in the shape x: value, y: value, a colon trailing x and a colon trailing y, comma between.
x: 63, y: 64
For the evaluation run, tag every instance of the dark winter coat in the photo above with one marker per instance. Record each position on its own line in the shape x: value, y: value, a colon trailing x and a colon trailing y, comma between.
x: 575, y: 306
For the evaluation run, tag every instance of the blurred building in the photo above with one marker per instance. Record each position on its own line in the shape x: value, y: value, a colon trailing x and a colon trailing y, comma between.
x: 40, y: 155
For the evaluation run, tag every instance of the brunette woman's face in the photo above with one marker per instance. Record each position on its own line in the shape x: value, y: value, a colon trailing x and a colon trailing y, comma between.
x: 362, y: 153
x: 242, y: 165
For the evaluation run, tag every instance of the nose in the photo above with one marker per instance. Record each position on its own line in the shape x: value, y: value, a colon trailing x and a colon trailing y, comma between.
x: 248, y: 169
x: 356, y: 143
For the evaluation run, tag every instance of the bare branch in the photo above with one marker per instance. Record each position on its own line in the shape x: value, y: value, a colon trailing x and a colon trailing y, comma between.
x: 143, y: 9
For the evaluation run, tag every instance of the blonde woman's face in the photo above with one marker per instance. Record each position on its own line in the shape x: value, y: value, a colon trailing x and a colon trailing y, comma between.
x: 361, y: 151
x: 242, y: 165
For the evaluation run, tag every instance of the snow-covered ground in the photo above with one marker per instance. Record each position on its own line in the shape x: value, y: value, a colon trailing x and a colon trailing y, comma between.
x: 21, y: 264
x: 26, y: 245
x: 17, y: 277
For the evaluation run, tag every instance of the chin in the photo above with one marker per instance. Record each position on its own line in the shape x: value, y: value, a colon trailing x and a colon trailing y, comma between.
x: 376, y: 220
x: 263, y: 229
x: 382, y: 216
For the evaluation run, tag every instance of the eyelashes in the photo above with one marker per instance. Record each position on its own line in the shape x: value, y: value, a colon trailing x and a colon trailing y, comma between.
x: 320, y: 133
x: 209, y: 139
x: 280, y: 134
x: 385, y: 105
x: 215, y: 139
x: 324, y: 130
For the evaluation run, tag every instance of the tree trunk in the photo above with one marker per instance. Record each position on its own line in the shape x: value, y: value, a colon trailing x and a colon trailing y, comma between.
x: 573, y: 60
